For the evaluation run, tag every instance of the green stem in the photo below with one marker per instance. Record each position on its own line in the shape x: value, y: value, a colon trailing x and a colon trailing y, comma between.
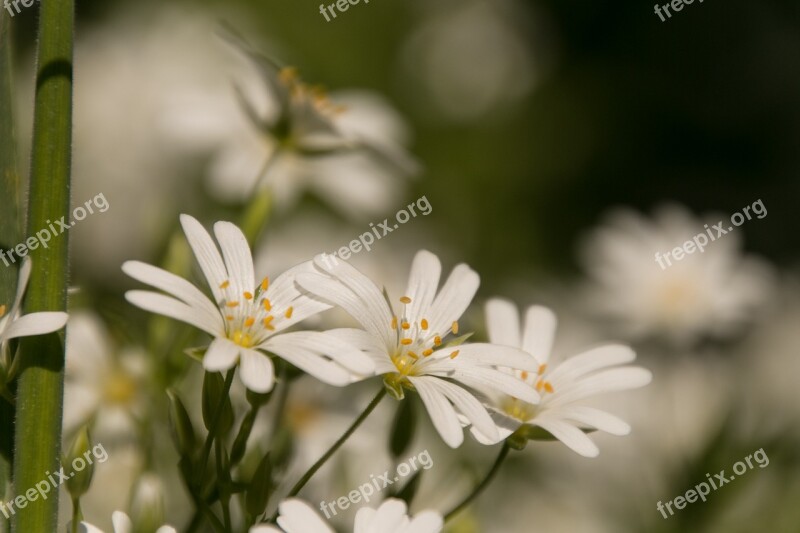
x: 41, y: 379
x: 224, y: 500
x: 336, y: 445
x: 212, y: 432
x: 483, y: 484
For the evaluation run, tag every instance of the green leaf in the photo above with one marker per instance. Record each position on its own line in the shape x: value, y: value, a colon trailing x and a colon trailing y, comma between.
x: 403, y: 428
x: 459, y: 340
x: 260, y: 488
x: 213, y: 390
x: 183, y: 433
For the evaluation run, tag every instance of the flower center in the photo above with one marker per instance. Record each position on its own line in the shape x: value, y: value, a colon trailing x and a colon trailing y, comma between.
x: 249, y: 319
x: 415, y: 342
x: 524, y: 411
x: 119, y: 389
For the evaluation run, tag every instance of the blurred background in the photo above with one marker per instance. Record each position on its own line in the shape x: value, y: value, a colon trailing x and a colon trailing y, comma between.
x: 560, y: 143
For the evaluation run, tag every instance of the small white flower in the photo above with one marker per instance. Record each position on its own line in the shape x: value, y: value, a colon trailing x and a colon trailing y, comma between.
x: 409, y: 345
x: 101, y: 385
x: 704, y: 294
x: 246, y: 318
x: 14, y: 325
x: 588, y: 374
x: 122, y: 524
x: 297, y: 516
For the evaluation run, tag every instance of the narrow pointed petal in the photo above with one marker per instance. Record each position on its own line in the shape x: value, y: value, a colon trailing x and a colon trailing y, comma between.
x: 454, y: 298
x: 34, y: 324
x: 425, y: 522
x: 206, y: 253
x: 539, y: 332
x: 297, y: 516
x: 573, y: 437
x: 22, y: 284
x: 493, y: 380
x: 122, y: 524
x: 595, y: 418
x: 480, y: 353
x: 442, y: 414
x: 423, y: 281
x: 591, y: 360
x: 467, y: 405
x: 165, y: 305
x: 237, y: 256
x: 502, y: 321
x: 613, y: 380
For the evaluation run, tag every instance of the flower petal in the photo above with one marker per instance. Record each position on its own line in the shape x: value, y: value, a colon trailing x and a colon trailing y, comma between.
x: 122, y: 523
x: 591, y: 360
x: 591, y: 417
x: 296, y: 516
x: 613, y: 380
x: 422, y: 284
x: 237, y: 256
x: 502, y: 321
x: 425, y: 522
x: 442, y: 414
x: 174, y: 285
x: 493, y: 380
x: 34, y: 324
x: 540, y: 329
x: 484, y: 354
x: 454, y: 298
x: 206, y: 253
x: 165, y: 305
x: 467, y: 405
x: 221, y: 355
x: 574, y: 438
x: 22, y: 284
x: 256, y: 371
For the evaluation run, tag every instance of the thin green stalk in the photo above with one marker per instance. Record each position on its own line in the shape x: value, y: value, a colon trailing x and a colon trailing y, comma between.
x: 483, y: 484
x: 41, y: 379
x: 212, y: 432
x: 10, y: 234
x: 336, y: 445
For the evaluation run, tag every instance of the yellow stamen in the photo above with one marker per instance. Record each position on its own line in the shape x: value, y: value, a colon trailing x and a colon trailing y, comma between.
x: 524, y: 374
x: 405, y: 299
x: 267, y: 324
x: 542, y: 368
x: 232, y: 304
x: 548, y: 387
x: 455, y: 328
x: 412, y: 355
x: 539, y: 385
x: 289, y: 312
x: 265, y: 284
x: 454, y: 354
x: 406, y: 325
x: 427, y: 352
x: 288, y: 74
x: 406, y: 342
x: 394, y: 322
x: 229, y: 317
x: 248, y: 295
x: 437, y: 340
x: 423, y: 324
x: 249, y: 321
x: 267, y: 305
x: 224, y: 284
x: 2, y: 310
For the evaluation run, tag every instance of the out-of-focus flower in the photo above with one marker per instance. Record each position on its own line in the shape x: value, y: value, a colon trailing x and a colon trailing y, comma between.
x: 709, y: 293
x: 472, y: 57
x: 101, y: 386
x: 347, y: 149
x: 13, y: 324
x: 296, y: 516
x: 409, y: 345
x: 582, y: 376
x: 246, y: 318
x: 122, y: 524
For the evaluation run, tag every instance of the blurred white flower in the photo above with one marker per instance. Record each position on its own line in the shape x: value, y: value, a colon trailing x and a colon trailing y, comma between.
x: 102, y: 387
x: 710, y: 293
x: 122, y: 524
x: 409, y: 346
x: 13, y: 324
x: 246, y: 319
x: 291, y: 137
x: 472, y: 57
x: 296, y: 516
x: 589, y: 374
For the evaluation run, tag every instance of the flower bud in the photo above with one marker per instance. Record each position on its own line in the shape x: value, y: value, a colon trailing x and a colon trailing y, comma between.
x: 79, y: 464
x: 147, y: 504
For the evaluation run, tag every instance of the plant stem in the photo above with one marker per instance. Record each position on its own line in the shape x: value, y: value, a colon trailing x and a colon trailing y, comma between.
x: 483, y: 484
x: 214, y: 423
x: 41, y: 379
x: 336, y: 445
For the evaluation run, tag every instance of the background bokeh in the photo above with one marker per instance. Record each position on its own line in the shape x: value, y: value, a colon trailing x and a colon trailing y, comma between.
x: 532, y: 121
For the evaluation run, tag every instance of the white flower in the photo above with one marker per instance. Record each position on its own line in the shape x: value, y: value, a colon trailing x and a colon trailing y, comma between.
x: 99, y: 384
x: 409, y: 344
x: 297, y: 516
x: 709, y: 293
x: 14, y: 325
x: 591, y: 373
x: 348, y: 150
x: 246, y: 318
x: 122, y: 524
